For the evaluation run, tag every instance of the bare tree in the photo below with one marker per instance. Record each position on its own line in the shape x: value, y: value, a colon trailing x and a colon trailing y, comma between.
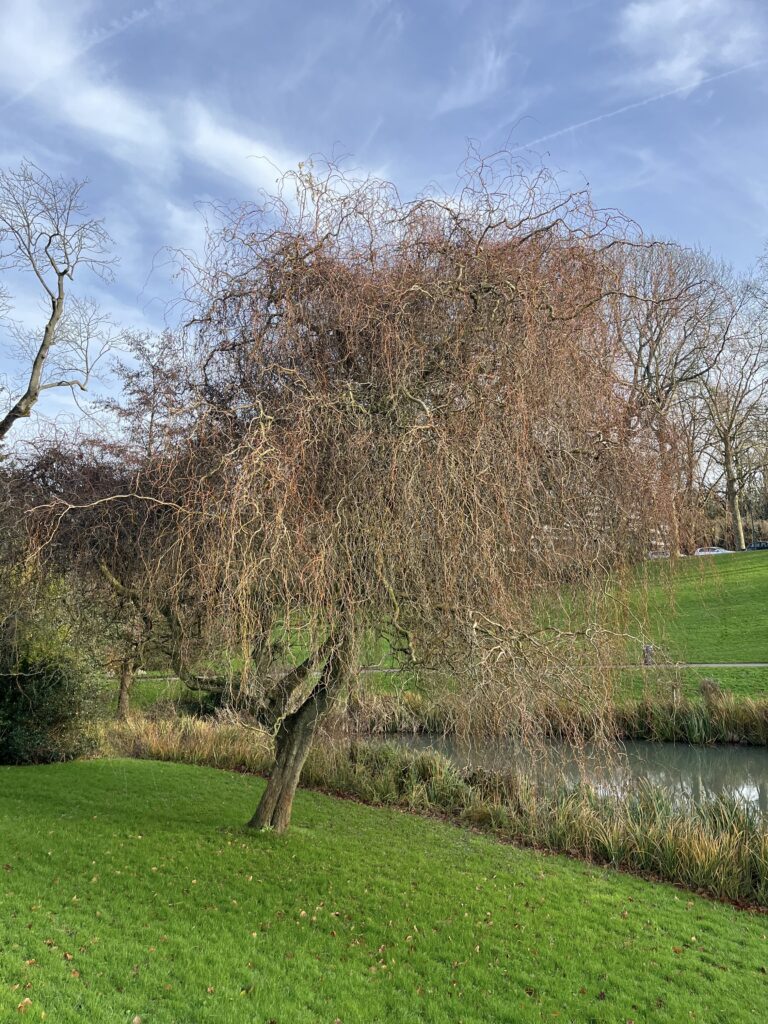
x: 674, y: 312
x: 45, y: 231
x: 673, y: 315
x: 735, y: 394
x: 698, y: 474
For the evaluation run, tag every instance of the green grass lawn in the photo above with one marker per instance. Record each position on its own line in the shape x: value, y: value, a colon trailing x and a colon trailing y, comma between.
x: 744, y: 682
x: 147, y: 691
x: 129, y: 890
x: 712, y: 609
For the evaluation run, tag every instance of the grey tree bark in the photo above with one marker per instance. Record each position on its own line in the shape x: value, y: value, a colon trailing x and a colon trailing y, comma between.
x: 292, y: 744
x: 127, y: 669
x: 732, y: 498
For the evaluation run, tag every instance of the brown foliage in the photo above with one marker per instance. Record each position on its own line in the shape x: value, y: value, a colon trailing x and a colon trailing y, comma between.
x: 410, y: 418
x: 407, y: 419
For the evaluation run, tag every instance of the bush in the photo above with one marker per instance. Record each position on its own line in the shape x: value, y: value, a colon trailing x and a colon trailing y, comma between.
x: 41, y: 704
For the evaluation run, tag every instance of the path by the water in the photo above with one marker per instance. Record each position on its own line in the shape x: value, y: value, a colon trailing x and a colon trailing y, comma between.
x: 656, y: 665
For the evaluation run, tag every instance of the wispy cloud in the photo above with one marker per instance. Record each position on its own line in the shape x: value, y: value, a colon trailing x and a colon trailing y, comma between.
x: 75, y: 92
x: 477, y: 83
x: 678, y: 44
x: 29, y: 44
x: 230, y: 152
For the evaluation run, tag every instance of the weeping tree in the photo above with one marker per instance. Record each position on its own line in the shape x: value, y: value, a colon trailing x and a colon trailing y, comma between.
x: 403, y: 420
x: 408, y: 422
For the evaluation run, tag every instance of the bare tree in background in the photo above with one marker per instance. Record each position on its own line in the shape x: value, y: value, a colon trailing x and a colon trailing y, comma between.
x: 45, y: 232
x: 735, y: 394
x: 674, y: 313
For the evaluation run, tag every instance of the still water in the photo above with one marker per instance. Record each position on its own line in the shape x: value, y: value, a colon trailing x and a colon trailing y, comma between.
x: 686, y: 772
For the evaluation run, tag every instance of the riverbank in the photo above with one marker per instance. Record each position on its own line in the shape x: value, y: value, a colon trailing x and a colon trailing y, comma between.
x: 718, y: 847
x: 662, y: 705
x: 131, y: 891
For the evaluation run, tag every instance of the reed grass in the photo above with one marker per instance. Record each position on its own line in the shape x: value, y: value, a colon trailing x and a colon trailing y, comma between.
x: 716, y: 717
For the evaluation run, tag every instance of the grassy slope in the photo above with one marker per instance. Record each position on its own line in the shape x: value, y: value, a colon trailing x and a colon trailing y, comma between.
x: 743, y: 682
x: 710, y: 610
x: 718, y: 609
x: 699, y: 610
x: 129, y: 891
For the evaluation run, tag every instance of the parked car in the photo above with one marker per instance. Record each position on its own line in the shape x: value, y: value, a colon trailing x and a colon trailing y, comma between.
x: 758, y: 545
x: 712, y: 551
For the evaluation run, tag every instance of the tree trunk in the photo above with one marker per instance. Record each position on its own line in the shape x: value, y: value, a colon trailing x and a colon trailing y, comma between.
x: 292, y: 744
x: 738, y: 524
x: 23, y: 407
x: 124, y: 693
x: 732, y: 498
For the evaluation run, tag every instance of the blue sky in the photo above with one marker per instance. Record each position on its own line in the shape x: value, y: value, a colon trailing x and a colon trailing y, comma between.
x: 660, y: 105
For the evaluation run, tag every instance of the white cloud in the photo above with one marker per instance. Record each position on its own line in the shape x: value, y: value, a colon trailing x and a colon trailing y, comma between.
x: 477, y: 84
x: 49, y: 66
x: 231, y: 153
x: 55, y: 68
x: 679, y: 43
x: 120, y: 123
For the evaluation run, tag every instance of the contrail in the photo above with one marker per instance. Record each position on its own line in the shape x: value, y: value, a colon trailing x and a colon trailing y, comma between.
x: 639, y: 103
x: 117, y: 28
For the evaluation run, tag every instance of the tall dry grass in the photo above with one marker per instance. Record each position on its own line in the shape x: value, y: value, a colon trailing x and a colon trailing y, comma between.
x: 718, y: 717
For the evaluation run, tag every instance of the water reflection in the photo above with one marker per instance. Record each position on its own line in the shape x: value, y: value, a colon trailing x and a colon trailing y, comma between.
x: 685, y: 772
